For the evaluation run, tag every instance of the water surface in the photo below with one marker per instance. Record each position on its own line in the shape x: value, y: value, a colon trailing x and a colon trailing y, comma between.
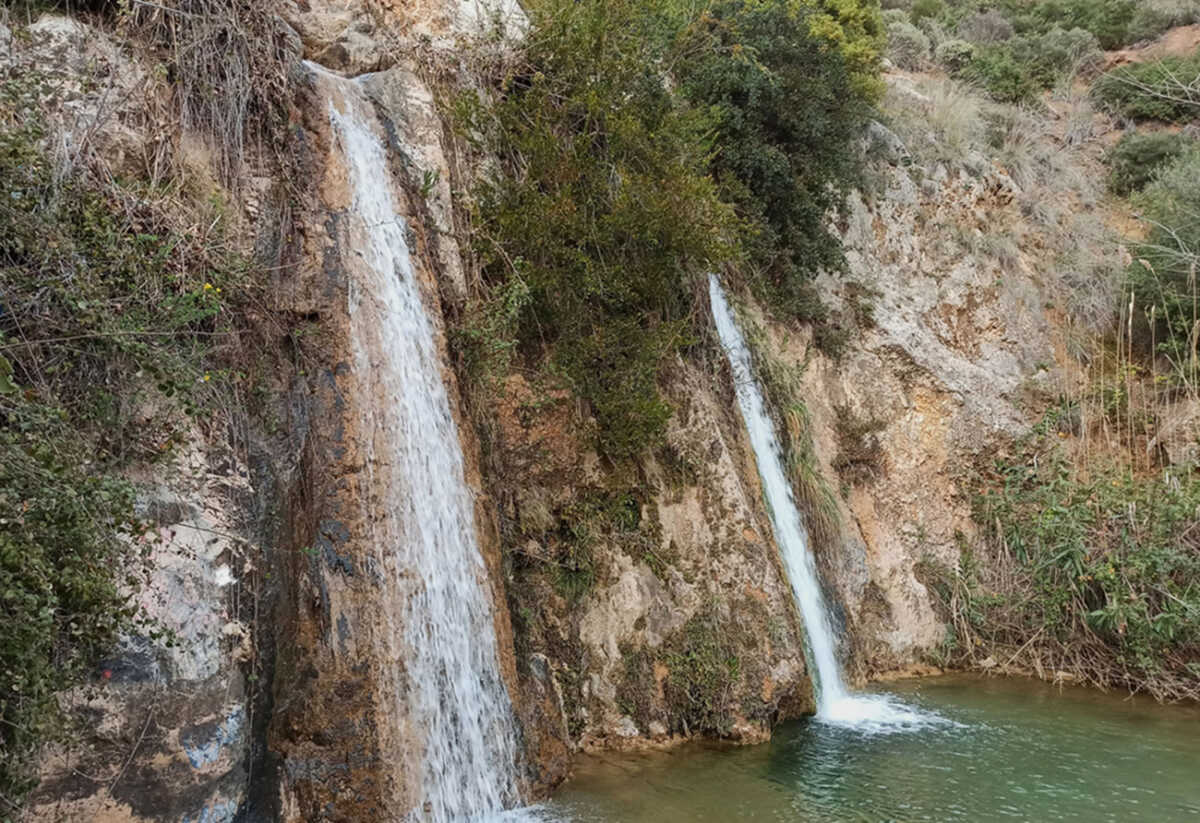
x: 1007, y: 750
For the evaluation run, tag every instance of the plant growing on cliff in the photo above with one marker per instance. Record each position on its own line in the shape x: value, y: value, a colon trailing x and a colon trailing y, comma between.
x: 641, y: 146
x: 787, y: 118
x: 601, y: 206
x: 1089, y: 569
x: 107, y: 315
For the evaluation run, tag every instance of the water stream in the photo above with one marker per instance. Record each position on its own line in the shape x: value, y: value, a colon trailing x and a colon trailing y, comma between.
x: 835, y: 703
x: 452, y: 692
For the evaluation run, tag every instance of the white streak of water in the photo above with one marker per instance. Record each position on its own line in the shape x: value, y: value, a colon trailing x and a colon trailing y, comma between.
x: 835, y: 704
x: 453, y: 694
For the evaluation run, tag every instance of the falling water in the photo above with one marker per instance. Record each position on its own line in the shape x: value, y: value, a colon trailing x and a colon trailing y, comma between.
x: 835, y: 704
x: 452, y: 694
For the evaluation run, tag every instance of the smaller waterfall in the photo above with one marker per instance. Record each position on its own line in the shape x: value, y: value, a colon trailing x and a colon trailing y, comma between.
x: 835, y: 704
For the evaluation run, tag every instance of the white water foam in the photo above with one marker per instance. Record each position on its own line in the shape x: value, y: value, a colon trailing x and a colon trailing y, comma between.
x: 447, y: 666
x: 835, y: 704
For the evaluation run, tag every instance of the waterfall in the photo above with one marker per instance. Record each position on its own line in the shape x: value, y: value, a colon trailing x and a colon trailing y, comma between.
x: 450, y: 687
x: 835, y: 704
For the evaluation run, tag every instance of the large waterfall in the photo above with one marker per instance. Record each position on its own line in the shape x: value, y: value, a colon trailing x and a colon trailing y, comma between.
x: 450, y: 685
x: 835, y: 704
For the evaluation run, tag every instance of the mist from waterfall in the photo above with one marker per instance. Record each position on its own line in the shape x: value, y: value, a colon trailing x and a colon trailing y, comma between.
x: 444, y: 645
x: 835, y: 703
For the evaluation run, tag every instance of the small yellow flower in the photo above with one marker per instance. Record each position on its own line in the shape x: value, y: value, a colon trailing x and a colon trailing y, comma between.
x: 207, y: 377
x: 218, y: 290
x: 208, y: 286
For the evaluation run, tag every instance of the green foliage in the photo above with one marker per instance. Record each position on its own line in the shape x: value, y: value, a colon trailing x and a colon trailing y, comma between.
x: 1163, y: 274
x: 1110, y: 555
x: 1166, y: 89
x: 855, y: 28
x: 63, y: 560
x: 602, y: 207
x: 954, y: 55
x: 106, y: 314
x: 1110, y: 21
x: 786, y: 122
x: 617, y: 186
x: 703, y: 672
x: 1016, y: 69
x: 1134, y: 161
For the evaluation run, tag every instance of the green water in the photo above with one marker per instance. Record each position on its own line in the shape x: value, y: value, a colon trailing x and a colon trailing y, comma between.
x: 1009, y: 750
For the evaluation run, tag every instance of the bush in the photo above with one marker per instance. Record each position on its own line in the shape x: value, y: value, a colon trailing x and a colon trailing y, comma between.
x: 908, y: 46
x: 1017, y: 69
x: 1166, y: 90
x: 856, y: 29
x: 922, y: 9
x: 1006, y: 79
x: 787, y: 124
x: 1135, y: 160
x: 1103, y: 569
x: 602, y: 206
x: 1163, y: 274
x: 1154, y: 17
x: 954, y: 55
x: 986, y: 27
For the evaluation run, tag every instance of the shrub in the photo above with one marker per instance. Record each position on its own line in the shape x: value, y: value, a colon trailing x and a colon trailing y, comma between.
x: 986, y: 27
x: 908, y: 46
x: 601, y: 206
x: 1167, y: 89
x: 856, y: 29
x: 922, y: 9
x: 787, y: 123
x: 1163, y: 274
x: 1097, y: 571
x: 1154, y: 17
x: 1017, y: 69
x: 891, y: 16
x: 1135, y: 160
x: 998, y: 71
x: 954, y: 55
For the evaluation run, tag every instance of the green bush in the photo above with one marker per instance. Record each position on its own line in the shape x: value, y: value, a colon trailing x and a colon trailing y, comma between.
x: 855, y: 29
x: 1166, y: 90
x: 997, y: 70
x: 1154, y: 17
x: 1163, y: 274
x: 602, y: 206
x: 908, y: 46
x: 1108, y: 566
x: 922, y: 9
x: 1134, y: 161
x: 1017, y: 69
x: 954, y: 55
x: 787, y: 121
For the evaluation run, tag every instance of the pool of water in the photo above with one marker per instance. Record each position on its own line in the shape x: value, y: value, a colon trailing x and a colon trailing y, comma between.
x: 997, y: 749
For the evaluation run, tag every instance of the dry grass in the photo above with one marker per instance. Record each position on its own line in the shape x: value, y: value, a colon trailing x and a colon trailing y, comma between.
x: 228, y: 65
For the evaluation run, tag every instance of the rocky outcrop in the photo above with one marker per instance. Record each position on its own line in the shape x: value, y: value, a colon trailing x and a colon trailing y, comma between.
x: 954, y: 353
x: 652, y: 592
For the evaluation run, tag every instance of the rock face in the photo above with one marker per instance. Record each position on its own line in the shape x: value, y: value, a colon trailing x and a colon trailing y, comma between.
x: 168, y: 727
x: 952, y: 357
x: 653, y: 593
